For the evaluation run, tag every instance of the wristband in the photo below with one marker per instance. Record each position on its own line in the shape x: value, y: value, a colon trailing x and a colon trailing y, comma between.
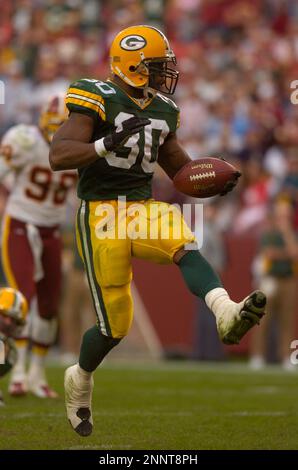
x: 100, y: 148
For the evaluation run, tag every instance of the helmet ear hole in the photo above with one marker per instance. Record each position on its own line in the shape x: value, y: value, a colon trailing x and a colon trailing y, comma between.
x: 131, y: 52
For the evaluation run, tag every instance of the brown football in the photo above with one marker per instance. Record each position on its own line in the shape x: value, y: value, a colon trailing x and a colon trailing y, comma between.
x: 206, y: 177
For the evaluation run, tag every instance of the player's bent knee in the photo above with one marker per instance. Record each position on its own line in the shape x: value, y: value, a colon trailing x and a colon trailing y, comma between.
x: 179, y: 255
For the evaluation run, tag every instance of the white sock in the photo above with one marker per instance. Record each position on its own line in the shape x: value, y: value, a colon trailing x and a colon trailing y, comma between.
x: 217, y: 300
x: 20, y: 365
x: 37, y: 362
x: 82, y: 374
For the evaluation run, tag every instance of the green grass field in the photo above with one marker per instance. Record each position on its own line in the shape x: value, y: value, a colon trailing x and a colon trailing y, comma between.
x: 164, y: 406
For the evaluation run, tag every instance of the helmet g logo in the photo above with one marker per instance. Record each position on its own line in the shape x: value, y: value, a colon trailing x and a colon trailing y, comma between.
x: 133, y: 42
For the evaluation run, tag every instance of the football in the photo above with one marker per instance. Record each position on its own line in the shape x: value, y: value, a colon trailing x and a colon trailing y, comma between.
x: 206, y: 177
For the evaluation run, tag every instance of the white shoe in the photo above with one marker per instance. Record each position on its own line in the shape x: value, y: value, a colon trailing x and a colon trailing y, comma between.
x: 78, y: 395
x: 257, y: 363
x: 1, y: 399
x: 18, y: 384
x: 237, y: 319
x: 42, y: 390
x: 38, y: 384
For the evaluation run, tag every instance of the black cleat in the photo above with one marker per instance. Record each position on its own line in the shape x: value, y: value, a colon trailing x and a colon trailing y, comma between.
x: 248, y: 313
x: 85, y: 427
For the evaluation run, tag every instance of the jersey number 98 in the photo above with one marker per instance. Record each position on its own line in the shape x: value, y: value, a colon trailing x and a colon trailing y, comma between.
x: 44, y: 186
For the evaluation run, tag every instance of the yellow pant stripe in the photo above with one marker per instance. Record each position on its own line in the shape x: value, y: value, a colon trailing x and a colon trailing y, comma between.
x: 5, y: 256
x: 39, y: 350
x: 21, y: 343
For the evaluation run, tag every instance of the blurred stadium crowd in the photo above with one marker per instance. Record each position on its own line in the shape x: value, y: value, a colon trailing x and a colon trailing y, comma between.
x: 237, y: 59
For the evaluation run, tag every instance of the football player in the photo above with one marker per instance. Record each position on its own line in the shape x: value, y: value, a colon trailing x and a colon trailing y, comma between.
x: 31, y: 243
x: 13, y: 311
x: 116, y: 133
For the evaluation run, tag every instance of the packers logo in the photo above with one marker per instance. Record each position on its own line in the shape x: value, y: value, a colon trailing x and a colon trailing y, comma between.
x: 133, y: 42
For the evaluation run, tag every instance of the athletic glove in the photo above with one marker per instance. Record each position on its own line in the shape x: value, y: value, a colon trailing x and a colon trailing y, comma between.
x: 230, y: 185
x: 130, y: 127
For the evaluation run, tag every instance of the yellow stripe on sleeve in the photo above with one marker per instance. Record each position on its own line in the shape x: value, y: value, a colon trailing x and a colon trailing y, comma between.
x: 86, y: 104
x: 5, y: 255
x: 88, y: 94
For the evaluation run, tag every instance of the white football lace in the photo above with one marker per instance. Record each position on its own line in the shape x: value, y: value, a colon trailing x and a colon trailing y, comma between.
x: 200, y: 176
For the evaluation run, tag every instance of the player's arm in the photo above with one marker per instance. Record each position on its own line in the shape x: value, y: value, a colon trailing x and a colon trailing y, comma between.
x: 171, y: 156
x: 72, y: 147
x: 16, y: 148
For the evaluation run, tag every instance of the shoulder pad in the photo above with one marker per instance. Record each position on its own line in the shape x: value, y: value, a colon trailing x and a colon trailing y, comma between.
x: 88, y: 96
x: 89, y: 86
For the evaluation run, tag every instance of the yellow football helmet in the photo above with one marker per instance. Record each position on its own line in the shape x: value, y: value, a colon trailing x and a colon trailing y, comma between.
x: 53, y: 114
x: 13, y: 305
x: 140, y: 56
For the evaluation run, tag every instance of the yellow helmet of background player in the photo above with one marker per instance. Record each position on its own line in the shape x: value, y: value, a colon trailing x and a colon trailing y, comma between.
x: 141, y: 55
x: 53, y: 114
x: 13, y: 305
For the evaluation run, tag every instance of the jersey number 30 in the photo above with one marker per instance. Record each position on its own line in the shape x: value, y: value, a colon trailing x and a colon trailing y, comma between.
x: 143, y: 145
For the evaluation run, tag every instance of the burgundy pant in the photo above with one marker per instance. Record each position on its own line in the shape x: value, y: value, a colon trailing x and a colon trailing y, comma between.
x: 19, y: 267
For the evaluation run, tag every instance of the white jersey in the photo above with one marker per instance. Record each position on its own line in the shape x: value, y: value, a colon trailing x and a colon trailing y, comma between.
x: 38, y: 195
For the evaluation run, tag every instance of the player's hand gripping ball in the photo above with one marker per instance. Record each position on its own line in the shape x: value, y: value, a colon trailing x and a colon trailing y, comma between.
x: 206, y: 177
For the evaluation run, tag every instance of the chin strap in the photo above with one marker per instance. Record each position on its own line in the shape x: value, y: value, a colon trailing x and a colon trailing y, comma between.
x: 149, y: 92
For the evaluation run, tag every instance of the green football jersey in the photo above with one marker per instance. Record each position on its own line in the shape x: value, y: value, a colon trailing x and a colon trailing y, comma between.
x: 128, y: 171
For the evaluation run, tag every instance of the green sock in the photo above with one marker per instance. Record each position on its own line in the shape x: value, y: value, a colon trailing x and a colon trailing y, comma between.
x: 199, y: 276
x: 95, y: 346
